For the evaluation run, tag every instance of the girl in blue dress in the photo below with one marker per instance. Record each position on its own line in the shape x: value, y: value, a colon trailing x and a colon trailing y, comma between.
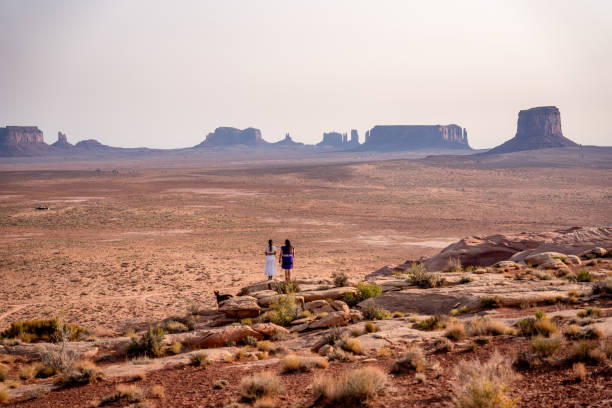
x: 287, y: 254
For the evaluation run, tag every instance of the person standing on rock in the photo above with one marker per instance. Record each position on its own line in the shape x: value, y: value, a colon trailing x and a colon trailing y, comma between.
x: 286, y: 259
x: 270, y: 268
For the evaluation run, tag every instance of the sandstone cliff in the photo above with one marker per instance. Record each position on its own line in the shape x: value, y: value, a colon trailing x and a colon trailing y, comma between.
x: 229, y: 136
x: 332, y: 139
x: 416, y: 137
x: 537, y: 128
x: 22, y: 141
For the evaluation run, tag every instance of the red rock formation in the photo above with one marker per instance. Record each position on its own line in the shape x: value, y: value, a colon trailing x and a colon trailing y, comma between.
x: 537, y: 128
x: 416, y: 137
x: 21, y: 135
x: 229, y: 136
x: 62, y: 141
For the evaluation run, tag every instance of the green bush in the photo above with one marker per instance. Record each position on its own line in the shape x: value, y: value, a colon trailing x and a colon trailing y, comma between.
x: 284, y: 310
x: 149, y: 344
x: 584, y: 275
x: 364, y: 291
x: 373, y: 312
x: 432, y: 323
x: 41, y: 330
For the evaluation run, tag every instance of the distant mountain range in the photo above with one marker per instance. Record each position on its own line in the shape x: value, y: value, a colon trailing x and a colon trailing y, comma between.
x: 537, y: 128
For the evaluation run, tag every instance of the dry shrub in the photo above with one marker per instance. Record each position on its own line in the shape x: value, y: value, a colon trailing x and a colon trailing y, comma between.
x: 586, y: 351
x: 266, y: 384
x: 370, y: 327
x: 3, y: 372
x: 411, y: 361
x: 579, y: 371
x: 173, y: 326
x: 572, y: 332
x: 453, y: 265
x: 4, y: 393
x: 293, y: 362
x: 443, y: 345
x: 351, y: 344
x: 149, y: 344
x: 484, y: 326
x: 384, y: 352
x: 198, y: 359
x: 483, y: 385
x: 540, y: 325
x: 432, y: 323
x: 28, y: 372
x: 176, y: 347
x: 219, y: 384
x: 546, y: 347
x: 455, y: 331
x: 354, y: 387
x: 593, y: 332
x: 59, y: 357
x: 397, y: 315
x: 158, y: 391
x: 83, y: 372
x: 123, y: 393
x: 264, y: 345
x: 340, y: 279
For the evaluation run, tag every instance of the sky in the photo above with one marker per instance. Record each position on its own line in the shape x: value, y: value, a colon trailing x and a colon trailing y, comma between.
x: 166, y: 73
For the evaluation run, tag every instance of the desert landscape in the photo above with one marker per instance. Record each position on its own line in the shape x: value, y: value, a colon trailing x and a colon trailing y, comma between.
x: 272, y: 204
x: 122, y: 248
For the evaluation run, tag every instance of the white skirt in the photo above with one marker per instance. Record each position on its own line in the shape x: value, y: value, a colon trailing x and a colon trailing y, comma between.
x: 270, y: 269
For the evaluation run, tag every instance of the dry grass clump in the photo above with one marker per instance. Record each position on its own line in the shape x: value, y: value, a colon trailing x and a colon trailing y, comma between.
x: 443, y: 345
x: 579, y: 371
x: 123, y: 393
x: 265, y: 402
x: 84, y: 372
x: 149, y: 344
x: 491, y: 301
x: 384, y: 352
x: 397, y: 314
x: 264, y: 345
x: 3, y: 372
x: 266, y: 384
x: 411, y: 361
x: 370, y: 327
x: 455, y: 331
x: 453, y: 265
x: 484, y: 326
x: 603, y: 288
x: 483, y: 385
x: 28, y: 372
x: 351, y: 344
x: 293, y: 362
x: 587, y: 352
x: 49, y: 330
x: 176, y: 347
x: 373, y: 312
x: 4, y: 393
x: 173, y: 326
x: 589, y: 312
x: 219, y: 384
x: 340, y: 279
x: 431, y: 323
x: 198, y: 359
x: 546, y: 346
x: 541, y: 325
x: 353, y: 388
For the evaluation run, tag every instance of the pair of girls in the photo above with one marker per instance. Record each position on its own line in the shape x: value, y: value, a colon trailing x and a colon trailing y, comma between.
x: 285, y: 258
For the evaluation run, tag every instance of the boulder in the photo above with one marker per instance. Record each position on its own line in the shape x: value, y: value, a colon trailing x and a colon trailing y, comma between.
x: 572, y: 260
x: 240, y: 307
x: 334, y: 293
x: 592, y: 253
x: 542, y: 258
x: 340, y: 306
x: 83, y: 350
x: 486, y: 251
x: 269, y: 329
x: 318, y: 306
x: 220, y: 337
x: 553, y: 264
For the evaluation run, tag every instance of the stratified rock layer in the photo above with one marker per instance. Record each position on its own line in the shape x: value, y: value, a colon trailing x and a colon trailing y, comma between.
x: 419, y: 137
x: 229, y: 136
x: 537, y: 128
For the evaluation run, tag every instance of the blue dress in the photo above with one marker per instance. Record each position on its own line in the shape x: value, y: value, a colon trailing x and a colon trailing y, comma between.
x: 287, y: 260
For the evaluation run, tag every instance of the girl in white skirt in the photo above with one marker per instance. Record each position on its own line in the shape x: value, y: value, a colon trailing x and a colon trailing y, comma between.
x: 270, y: 269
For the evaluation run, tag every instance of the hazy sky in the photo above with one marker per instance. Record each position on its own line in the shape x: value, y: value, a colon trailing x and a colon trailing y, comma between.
x: 166, y: 73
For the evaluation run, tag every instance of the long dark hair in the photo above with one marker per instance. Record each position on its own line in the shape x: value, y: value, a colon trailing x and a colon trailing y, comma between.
x: 270, y: 245
x: 288, y: 245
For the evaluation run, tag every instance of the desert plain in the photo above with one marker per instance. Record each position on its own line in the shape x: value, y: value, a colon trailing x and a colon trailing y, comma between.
x: 127, y: 243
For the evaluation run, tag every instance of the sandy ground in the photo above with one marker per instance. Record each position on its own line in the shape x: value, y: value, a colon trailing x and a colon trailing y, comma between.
x: 118, y: 250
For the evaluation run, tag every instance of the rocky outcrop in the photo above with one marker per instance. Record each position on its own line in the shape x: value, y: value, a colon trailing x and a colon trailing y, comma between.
x: 288, y: 142
x: 62, y: 142
x: 22, y: 141
x: 332, y: 139
x: 240, y: 306
x: 537, y: 128
x: 485, y: 251
x: 229, y: 136
x: 416, y: 137
x: 91, y: 144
